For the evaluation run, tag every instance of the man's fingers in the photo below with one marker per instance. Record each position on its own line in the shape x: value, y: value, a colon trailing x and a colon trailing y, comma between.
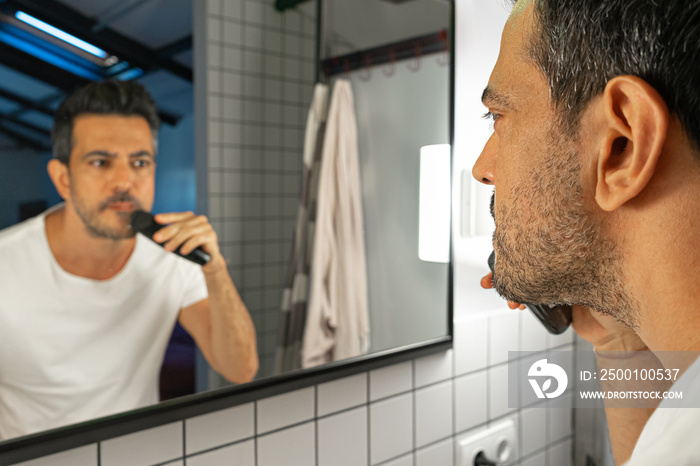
x: 172, y: 217
x: 487, y: 281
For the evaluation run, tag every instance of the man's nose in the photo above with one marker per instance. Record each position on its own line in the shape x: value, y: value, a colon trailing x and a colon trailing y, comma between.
x: 484, y: 170
x: 122, y: 177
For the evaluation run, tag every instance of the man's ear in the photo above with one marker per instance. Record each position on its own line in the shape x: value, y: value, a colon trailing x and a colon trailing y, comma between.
x: 58, y: 172
x: 634, y: 126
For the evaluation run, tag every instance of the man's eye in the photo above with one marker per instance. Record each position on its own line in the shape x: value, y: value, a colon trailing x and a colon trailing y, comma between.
x: 97, y: 163
x: 492, y: 117
x: 141, y: 163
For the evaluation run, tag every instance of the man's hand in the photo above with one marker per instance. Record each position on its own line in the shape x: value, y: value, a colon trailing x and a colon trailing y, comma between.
x: 188, y: 231
x: 221, y: 324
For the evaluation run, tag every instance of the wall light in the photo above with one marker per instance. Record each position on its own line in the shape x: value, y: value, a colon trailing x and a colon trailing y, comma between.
x: 434, y: 204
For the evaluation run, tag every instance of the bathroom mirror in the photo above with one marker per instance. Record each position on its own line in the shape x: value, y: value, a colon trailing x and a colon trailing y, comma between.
x: 244, y: 116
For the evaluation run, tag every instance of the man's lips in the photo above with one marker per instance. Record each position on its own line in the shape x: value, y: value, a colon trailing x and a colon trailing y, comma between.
x: 121, y: 206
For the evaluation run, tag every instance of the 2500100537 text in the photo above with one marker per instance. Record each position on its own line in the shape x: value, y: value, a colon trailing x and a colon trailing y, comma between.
x: 639, y: 374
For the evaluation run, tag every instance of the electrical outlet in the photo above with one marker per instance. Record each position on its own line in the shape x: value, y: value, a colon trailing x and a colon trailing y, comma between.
x: 498, y: 442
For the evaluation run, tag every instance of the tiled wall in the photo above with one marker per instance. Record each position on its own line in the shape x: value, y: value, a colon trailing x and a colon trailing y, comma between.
x: 260, y: 74
x: 409, y: 414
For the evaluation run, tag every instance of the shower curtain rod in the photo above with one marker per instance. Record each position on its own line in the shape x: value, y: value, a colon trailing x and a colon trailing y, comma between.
x: 389, y: 53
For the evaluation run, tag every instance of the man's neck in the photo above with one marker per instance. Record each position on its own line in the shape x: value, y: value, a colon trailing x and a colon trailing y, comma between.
x: 82, y: 254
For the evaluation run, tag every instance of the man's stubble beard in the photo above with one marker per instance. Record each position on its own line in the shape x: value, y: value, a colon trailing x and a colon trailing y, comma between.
x: 561, y: 254
x: 91, y: 216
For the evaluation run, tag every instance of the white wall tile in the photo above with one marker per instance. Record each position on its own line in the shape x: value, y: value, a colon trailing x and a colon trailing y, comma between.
x: 471, y: 345
x: 504, y: 336
x: 240, y: 454
x: 534, y: 335
x: 406, y: 460
x: 433, y: 413
x: 342, y: 439
x: 471, y: 395
x: 498, y: 391
x: 286, y: 409
x: 539, y: 459
x: 290, y: 446
x: 391, y: 380
x: 533, y: 429
x: 83, y: 456
x: 342, y: 394
x: 433, y: 368
x: 560, y: 454
x: 560, y: 419
x: 391, y: 428
x: 565, y: 338
x: 233, y: 8
x: 146, y: 447
x: 441, y: 453
x: 219, y: 428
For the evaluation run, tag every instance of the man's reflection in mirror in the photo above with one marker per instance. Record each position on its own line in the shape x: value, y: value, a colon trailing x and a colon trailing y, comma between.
x: 88, y: 306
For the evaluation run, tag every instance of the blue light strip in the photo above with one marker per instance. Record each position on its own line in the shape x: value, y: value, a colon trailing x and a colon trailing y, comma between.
x: 64, y: 36
x: 47, y: 56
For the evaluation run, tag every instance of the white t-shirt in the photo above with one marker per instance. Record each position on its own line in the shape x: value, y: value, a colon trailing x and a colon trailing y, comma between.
x: 72, y: 348
x: 670, y: 436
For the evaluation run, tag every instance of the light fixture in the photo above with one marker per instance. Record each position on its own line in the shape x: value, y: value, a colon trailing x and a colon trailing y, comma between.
x: 59, y: 34
x: 434, y: 204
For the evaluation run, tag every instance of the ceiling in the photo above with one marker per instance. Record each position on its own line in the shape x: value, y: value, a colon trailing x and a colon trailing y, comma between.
x: 151, y: 38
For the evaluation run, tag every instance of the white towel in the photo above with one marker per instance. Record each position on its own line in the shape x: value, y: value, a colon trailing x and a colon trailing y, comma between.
x: 337, y: 324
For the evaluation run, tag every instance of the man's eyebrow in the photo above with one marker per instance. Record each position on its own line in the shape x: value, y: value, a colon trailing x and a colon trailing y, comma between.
x: 99, y: 153
x: 104, y: 153
x: 491, y: 98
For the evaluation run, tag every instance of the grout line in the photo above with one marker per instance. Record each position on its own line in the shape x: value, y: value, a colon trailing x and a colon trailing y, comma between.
x: 184, y: 442
x: 369, y: 425
x: 255, y: 431
x: 316, y: 423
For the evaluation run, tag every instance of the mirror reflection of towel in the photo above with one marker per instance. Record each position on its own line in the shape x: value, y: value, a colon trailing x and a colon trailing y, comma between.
x: 295, y: 297
x: 337, y: 324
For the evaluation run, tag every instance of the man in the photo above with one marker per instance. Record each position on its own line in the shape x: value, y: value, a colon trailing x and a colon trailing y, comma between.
x: 88, y: 307
x: 595, y: 161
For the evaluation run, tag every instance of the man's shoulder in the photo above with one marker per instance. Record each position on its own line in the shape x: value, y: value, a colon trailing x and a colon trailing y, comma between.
x: 13, y: 235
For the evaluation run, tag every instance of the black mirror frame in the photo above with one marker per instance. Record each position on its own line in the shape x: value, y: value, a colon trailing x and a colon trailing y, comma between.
x: 66, y: 438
